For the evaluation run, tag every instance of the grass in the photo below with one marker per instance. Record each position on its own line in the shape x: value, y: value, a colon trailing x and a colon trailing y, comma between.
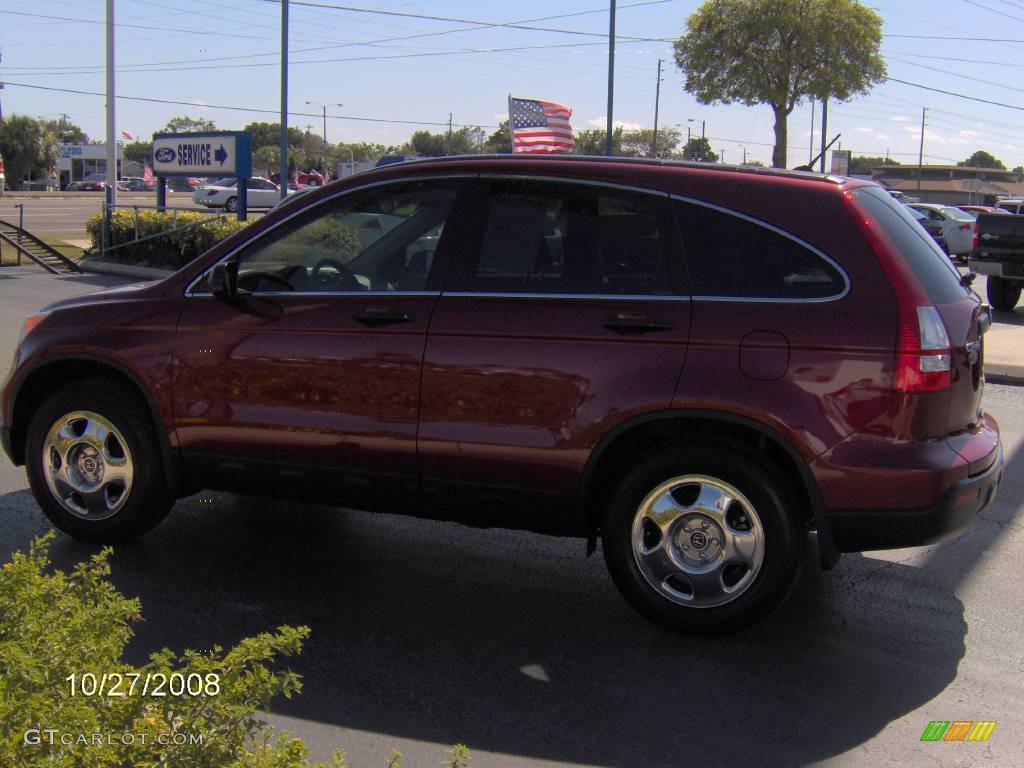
x: 57, y: 240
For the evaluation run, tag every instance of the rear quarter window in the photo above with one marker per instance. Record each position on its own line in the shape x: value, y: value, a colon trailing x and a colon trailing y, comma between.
x: 931, y: 266
x: 730, y: 255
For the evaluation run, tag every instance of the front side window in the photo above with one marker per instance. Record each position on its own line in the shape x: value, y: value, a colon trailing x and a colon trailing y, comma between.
x: 557, y: 238
x: 731, y: 256
x: 379, y: 240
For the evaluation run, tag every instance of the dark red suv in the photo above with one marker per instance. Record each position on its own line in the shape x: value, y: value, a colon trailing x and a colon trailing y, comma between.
x: 699, y: 364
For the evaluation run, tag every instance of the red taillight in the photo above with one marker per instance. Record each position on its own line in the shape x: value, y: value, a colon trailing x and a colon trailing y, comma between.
x: 924, y: 360
x: 923, y: 355
x: 974, y: 242
x: 965, y: 227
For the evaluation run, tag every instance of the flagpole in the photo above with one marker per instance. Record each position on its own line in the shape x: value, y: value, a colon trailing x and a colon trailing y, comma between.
x: 511, y: 138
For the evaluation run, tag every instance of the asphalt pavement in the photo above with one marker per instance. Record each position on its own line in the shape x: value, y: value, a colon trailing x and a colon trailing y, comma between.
x: 428, y: 633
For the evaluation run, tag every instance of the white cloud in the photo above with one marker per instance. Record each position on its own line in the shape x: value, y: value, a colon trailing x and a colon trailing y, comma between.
x: 200, y: 105
x: 602, y: 122
x: 881, y: 137
x: 866, y: 129
x: 968, y: 133
x: 898, y: 119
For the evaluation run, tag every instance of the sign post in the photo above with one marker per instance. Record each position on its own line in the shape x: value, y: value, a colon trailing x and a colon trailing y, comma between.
x: 219, y: 153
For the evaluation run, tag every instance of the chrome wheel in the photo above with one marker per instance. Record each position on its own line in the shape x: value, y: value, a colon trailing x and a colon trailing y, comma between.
x: 87, y: 465
x: 698, y: 541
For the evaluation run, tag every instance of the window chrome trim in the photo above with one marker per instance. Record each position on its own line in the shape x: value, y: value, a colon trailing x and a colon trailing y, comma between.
x: 563, y: 296
x: 779, y: 231
x: 305, y: 209
x: 333, y: 294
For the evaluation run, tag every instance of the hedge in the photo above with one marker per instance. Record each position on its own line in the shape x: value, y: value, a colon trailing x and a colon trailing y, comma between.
x: 173, y: 250
x: 57, y: 629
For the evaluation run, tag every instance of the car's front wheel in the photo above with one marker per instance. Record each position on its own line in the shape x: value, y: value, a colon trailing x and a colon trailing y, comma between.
x: 702, y: 538
x: 93, y: 462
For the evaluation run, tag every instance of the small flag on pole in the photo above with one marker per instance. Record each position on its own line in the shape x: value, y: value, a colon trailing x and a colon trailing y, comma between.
x: 539, y: 127
x: 147, y: 173
x: 128, y: 136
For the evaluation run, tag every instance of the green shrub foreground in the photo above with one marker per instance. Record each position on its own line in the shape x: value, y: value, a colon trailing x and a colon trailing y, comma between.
x: 54, y: 625
x: 173, y: 250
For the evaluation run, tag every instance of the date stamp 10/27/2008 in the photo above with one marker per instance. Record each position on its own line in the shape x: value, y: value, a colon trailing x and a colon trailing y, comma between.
x: 153, y: 684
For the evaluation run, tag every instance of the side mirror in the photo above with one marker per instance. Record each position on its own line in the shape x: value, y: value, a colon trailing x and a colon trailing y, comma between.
x: 223, y: 279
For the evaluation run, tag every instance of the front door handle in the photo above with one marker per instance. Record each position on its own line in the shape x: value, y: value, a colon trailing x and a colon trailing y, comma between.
x: 629, y: 325
x: 377, y: 317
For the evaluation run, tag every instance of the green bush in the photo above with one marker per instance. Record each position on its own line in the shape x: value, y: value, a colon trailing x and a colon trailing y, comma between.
x: 54, y: 626
x: 173, y: 250
x: 333, y: 235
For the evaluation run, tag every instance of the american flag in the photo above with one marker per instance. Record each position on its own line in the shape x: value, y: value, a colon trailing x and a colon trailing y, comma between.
x: 540, y: 126
x: 147, y: 173
x: 128, y: 136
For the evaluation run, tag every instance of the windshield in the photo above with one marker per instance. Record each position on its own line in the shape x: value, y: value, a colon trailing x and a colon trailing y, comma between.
x: 224, y: 183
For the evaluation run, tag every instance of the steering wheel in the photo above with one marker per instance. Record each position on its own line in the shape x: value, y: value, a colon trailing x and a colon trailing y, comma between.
x: 343, y: 280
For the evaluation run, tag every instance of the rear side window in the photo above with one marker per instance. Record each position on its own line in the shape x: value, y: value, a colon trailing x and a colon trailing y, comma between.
x: 730, y: 256
x: 930, y: 265
x: 554, y: 238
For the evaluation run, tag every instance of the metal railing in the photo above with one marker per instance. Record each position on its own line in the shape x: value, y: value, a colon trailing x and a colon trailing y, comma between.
x: 105, y: 241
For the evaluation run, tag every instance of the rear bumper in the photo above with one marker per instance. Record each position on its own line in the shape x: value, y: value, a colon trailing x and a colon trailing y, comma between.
x: 857, y: 530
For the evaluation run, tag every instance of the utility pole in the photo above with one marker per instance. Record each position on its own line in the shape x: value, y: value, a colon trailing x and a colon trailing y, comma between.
x: 323, y: 108
x: 611, y: 78
x: 110, y: 192
x: 284, y: 100
x: 810, y: 144
x: 657, y: 99
x: 920, y: 152
x: 824, y: 131
x: 448, y: 151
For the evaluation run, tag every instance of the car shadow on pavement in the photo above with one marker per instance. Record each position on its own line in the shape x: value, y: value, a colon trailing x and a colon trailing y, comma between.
x: 515, y: 643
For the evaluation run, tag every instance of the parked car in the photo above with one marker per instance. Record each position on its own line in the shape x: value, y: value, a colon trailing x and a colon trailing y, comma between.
x: 957, y: 227
x: 94, y: 182
x: 976, y: 209
x: 133, y: 184
x: 999, y: 254
x: 223, y: 193
x: 656, y: 354
x: 933, y: 228
x: 1013, y: 205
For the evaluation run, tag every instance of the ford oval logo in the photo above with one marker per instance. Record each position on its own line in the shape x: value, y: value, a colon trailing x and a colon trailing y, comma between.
x: 164, y: 155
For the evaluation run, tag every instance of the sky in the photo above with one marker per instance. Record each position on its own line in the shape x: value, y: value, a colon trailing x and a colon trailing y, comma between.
x: 395, y: 71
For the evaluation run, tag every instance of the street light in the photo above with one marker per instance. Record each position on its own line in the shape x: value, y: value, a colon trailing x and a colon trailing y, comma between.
x: 323, y: 108
x: 703, y: 126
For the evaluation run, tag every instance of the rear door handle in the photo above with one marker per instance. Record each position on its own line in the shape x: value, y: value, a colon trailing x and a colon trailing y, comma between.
x: 628, y: 325
x: 376, y: 317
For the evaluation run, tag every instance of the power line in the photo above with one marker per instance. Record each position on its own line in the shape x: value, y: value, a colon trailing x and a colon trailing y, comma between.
x: 952, y: 93
x: 130, y: 26
x: 505, y: 25
x: 203, y: 105
x: 475, y: 25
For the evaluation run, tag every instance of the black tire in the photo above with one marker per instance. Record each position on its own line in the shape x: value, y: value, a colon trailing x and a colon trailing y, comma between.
x: 231, y: 206
x: 1002, y: 294
x: 764, y: 588
x: 143, y: 503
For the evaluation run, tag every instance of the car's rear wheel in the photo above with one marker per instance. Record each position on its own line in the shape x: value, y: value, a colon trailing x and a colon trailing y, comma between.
x: 1002, y: 294
x: 702, y: 538
x: 231, y: 206
x: 93, y: 462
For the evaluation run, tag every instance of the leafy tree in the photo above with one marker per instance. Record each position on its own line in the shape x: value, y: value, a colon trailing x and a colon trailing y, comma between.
x: 185, y: 124
x: 269, y: 135
x: 637, y: 143
x: 779, y: 52
x: 464, y: 141
x: 592, y: 141
x: 27, y: 148
x: 862, y: 164
x: 64, y: 130
x: 364, y: 150
x: 699, y: 148
x: 1019, y: 170
x: 139, y: 151
x: 499, y: 142
x: 982, y: 159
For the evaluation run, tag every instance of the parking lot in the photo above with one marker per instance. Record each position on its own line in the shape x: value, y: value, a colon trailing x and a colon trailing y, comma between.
x: 426, y: 633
